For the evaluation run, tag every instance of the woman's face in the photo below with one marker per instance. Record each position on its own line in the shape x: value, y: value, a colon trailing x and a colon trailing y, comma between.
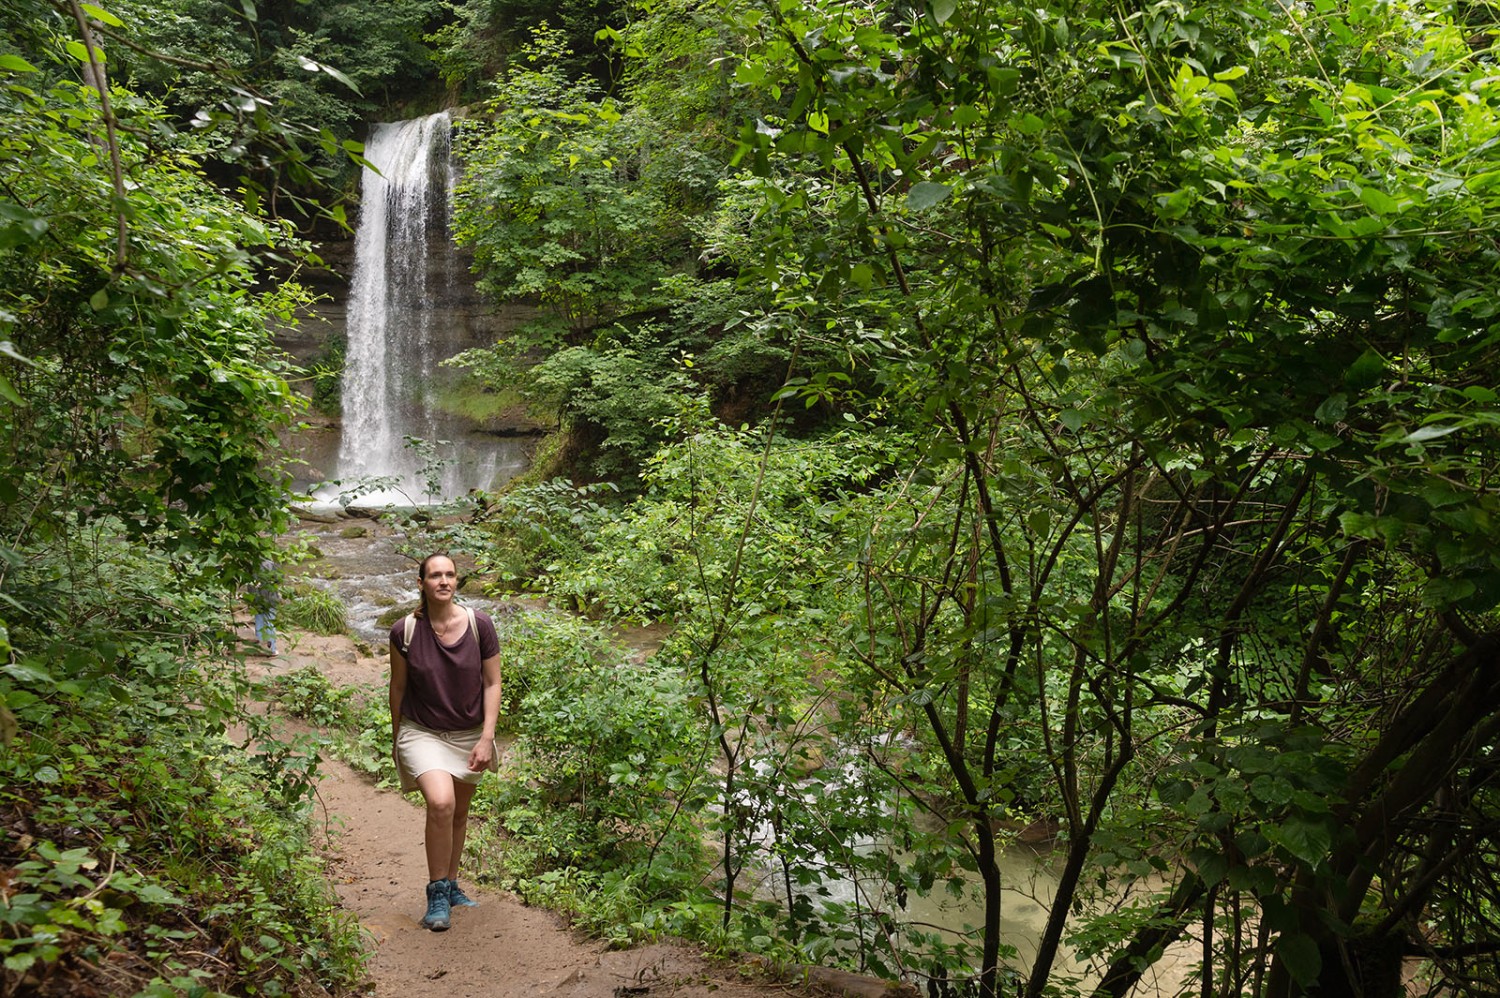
x: 440, y: 581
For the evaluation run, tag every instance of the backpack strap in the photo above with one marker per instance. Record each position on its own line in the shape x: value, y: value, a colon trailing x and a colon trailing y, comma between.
x: 409, y: 628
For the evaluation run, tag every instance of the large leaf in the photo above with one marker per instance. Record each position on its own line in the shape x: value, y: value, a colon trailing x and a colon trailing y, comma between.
x: 927, y: 193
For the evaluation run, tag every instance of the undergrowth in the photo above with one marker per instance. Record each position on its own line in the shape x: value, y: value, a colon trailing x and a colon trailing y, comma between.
x: 313, y: 609
x: 355, y: 719
x: 143, y: 852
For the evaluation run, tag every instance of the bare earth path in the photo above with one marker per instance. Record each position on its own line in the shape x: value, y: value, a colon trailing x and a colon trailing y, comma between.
x: 502, y: 949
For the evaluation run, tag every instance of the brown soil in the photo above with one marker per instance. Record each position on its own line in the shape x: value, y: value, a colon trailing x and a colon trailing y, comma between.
x: 502, y: 948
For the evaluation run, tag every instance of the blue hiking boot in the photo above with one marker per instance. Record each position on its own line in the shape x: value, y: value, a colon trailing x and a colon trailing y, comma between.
x: 438, y: 906
x: 457, y: 898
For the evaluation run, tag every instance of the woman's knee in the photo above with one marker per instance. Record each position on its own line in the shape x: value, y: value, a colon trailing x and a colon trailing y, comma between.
x: 437, y: 791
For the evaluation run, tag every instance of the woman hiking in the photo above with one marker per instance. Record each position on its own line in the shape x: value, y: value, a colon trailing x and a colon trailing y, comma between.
x: 445, y: 702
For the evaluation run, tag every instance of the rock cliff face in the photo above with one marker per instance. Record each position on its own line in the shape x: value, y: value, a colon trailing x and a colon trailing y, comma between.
x: 462, y: 317
x: 456, y: 303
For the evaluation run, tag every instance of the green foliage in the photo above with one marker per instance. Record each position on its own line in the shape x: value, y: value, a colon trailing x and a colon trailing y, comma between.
x: 622, y: 394
x: 143, y: 837
x: 328, y: 376
x: 319, y: 68
x: 486, y: 37
x: 670, y: 553
x: 147, y: 386
x: 366, y: 743
x: 140, y: 488
x: 307, y: 693
x: 355, y: 721
x: 315, y: 609
x: 557, y: 200
x: 1179, y: 525
x: 523, y: 534
x: 600, y: 776
x: 1167, y: 300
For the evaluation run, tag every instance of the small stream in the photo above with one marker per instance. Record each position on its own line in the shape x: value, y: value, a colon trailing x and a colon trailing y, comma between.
x: 360, y: 561
x: 1027, y: 875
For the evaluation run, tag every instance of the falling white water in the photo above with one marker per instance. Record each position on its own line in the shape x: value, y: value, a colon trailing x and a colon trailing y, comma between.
x: 404, y: 269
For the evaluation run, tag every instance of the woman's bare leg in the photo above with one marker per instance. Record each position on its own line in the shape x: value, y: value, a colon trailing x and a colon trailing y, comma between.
x: 439, y: 791
x: 463, y: 793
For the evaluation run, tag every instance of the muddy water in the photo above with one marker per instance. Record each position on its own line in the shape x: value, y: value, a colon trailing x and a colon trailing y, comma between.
x: 1029, y: 884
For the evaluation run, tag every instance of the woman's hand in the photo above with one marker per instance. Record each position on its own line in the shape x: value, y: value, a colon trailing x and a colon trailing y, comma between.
x: 482, y: 755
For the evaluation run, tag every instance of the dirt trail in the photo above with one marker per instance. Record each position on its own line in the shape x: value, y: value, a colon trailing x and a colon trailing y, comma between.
x: 502, y: 949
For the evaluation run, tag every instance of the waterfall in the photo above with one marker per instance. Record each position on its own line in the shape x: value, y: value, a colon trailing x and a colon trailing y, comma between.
x: 405, y: 268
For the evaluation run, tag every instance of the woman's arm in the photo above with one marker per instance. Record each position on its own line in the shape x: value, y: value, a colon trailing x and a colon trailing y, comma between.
x: 484, y: 752
x: 398, y: 690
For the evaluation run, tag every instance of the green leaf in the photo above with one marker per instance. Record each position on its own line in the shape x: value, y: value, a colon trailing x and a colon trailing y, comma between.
x: 19, y: 225
x: 1442, y: 592
x: 749, y: 73
x: 313, y: 66
x: 1379, y: 201
x: 1365, y: 371
x: 20, y: 962
x: 9, y: 393
x: 1309, y: 841
x: 101, y: 15
x: 942, y: 10
x: 1333, y: 409
x: 1424, y: 433
x: 927, y: 193
x: 1300, y: 954
x: 80, y: 51
x: 15, y: 64
x: 1029, y: 124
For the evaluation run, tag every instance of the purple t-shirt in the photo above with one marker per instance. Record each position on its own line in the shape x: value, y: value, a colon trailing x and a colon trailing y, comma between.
x: 444, y: 683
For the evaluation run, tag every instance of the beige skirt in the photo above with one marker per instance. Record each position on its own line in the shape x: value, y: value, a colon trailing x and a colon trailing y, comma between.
x: 419, y: 750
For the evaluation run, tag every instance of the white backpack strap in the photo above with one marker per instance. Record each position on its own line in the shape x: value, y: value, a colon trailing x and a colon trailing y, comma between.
x: 409, y: 628
x: 473, y: 624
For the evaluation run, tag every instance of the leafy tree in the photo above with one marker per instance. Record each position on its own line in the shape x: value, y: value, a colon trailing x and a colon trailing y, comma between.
x: 557, y: 201
x: 141, y: 383
x: 485, y: 38
x: 139, y: 487
x: 1188, y: 304
x: 1185, y: 314
x: 283, y: 86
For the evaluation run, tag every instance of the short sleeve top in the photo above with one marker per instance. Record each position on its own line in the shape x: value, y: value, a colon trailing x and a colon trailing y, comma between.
x: 445, y: 683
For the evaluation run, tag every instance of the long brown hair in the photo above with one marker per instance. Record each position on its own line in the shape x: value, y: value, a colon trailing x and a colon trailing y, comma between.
x: 421, y: 610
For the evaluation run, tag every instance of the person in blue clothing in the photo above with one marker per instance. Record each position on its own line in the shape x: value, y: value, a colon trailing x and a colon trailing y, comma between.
x: 445, y: 703
x: 264, y: 596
